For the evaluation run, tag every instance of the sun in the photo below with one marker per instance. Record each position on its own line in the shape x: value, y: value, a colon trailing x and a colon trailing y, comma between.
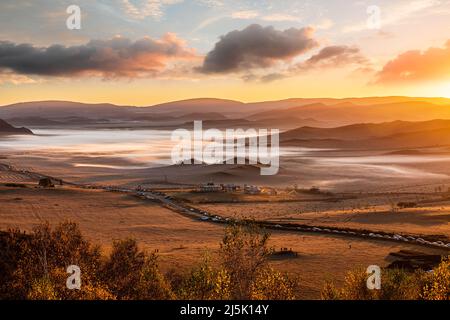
x: 444, y: 90
x: 441, y: 90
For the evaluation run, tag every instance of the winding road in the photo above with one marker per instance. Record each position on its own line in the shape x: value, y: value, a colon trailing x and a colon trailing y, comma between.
x: 209, y: 217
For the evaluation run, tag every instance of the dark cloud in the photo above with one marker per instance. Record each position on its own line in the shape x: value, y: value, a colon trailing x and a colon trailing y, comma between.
x: 118, y: 57
x: 327, y: 57
x: 430, y: 65
x: 257, y: 47
x: 272, y: 77
x: 334, y: 56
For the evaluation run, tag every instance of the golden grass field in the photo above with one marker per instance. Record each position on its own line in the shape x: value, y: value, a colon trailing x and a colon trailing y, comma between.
x: 427, y: 220
x: 182, y: 241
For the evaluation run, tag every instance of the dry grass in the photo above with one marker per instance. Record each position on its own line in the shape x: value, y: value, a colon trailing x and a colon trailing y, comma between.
x: 182, y: 242
x: 358, y: 214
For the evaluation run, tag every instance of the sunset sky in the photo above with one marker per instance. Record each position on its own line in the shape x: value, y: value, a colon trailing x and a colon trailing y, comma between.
x: 142, y: 52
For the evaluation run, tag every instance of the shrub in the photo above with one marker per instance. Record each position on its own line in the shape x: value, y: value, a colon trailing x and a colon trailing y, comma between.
x: 14, y: 247
x: 131, y: 274
x: 243, y: 253
x: 437, y: 283
x: 273, y: 285
x: 205, y: 282
x: 397, y: 284
x: 405, y: 205
x: 34, y: 266
x: 42, y: 289
x: 31, y: 258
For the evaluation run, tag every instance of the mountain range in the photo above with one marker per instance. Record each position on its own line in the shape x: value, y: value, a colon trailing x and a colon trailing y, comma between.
x: 331, y: 112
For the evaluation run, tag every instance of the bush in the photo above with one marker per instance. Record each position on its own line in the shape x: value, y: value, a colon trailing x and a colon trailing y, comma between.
x: 205, y: 282
x: 34, y: 266
x: 243, y: 253
x: 131, y: 274
x: 14, y: 247
x: 405, y: 205
x: 396, y: 284
x: 437, y: 283
x: 273, y: 285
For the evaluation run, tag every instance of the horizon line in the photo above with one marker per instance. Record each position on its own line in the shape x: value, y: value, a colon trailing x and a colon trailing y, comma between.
x: 225, y: 99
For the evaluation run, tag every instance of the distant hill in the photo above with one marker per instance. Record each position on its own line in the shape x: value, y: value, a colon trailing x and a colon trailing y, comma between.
x: 293, y: 117
x: 294, y: 112
x: 202, y: 105
x: 321, y: 112
x: 203, y: 116
x: 7, y: 129
x: 33, y: 121
x: 395, y: 135
x: 349, y: 113
x: 365, y: 130
x: 230, y: 106
x: 52, y: 110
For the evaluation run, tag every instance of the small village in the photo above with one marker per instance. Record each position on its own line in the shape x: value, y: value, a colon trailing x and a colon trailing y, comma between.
x: 212, y: 187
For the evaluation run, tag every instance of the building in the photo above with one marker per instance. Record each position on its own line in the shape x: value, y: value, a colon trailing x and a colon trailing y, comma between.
x: 248, y: 189
x: 230, y: 187
x: 210, y: 187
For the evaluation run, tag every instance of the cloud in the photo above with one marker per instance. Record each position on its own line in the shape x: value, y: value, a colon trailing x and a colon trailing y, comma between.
x: 327, y: 58
x: 280, y: 17
x: 248, y: 14
x: 117, y: 57
x: 245, y: 15
x: 205, y: 23
x: 16, y: 79
x: 147, y: 8
x: 272, y: 77
x: 257, y: 47
x: 430, y: 65
x: 141, y: 9
x: 253, y: 14
x: 334, y: 56
x: 212, y: 3
x: 324, y: 24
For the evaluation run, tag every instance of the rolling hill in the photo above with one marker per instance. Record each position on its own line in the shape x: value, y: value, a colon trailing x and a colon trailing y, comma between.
x: 201, y: 105
x: 322, y: 112
x: 7, y: 129
x: 390, y: 135
x: 348, y: 113
x: 64, y: 109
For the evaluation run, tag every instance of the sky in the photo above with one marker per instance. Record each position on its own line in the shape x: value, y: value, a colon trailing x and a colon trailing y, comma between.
x: 144, y: 52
